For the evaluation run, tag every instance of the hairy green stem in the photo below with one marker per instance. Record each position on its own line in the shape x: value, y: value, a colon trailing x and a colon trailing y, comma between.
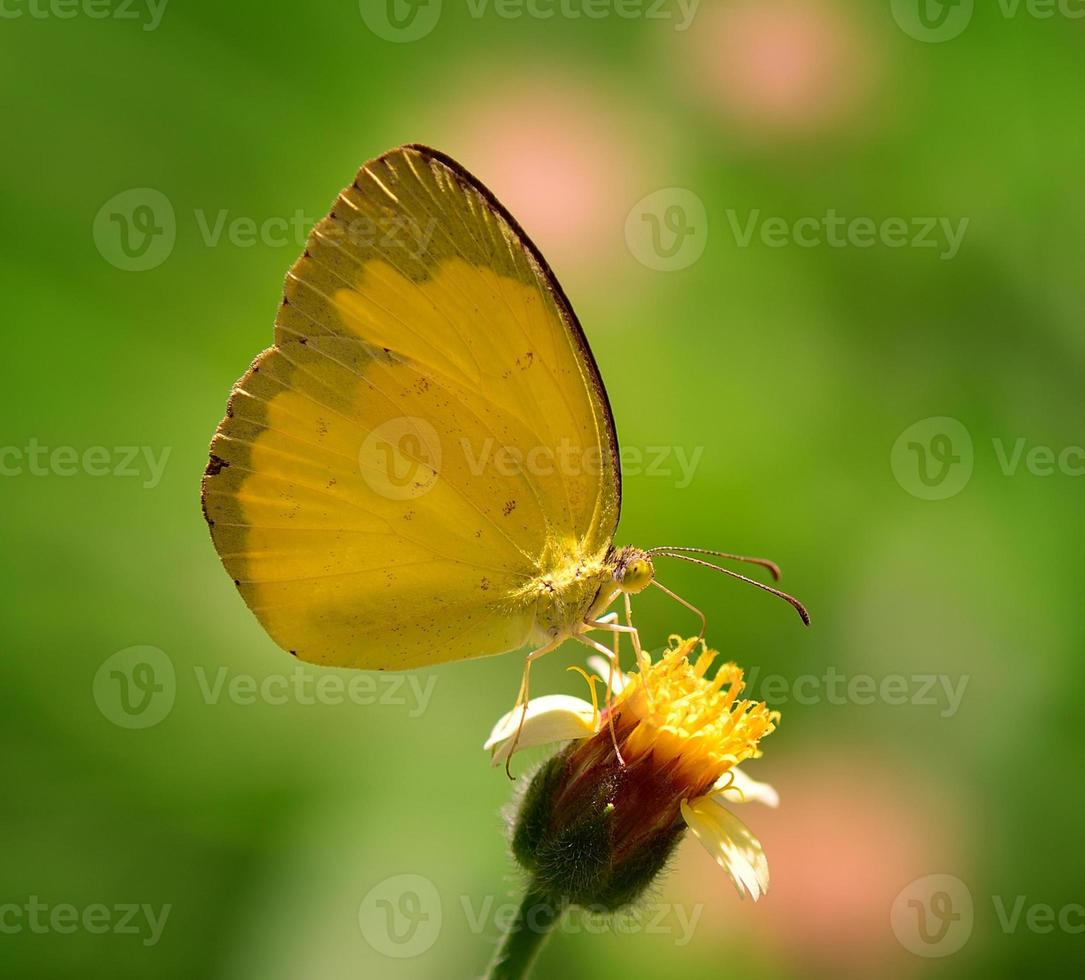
x: 520, y: 946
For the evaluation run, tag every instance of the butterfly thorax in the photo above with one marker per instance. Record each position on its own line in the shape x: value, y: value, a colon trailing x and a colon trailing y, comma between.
x: 565, y: 589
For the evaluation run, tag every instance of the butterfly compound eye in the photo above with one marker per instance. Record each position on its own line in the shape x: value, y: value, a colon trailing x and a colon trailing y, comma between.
x: 637, y: 575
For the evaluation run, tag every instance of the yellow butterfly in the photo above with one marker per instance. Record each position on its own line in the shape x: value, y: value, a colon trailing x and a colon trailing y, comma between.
x: 424, y: 466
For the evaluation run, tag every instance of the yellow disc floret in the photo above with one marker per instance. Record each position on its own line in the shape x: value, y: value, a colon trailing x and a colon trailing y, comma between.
x: 698, y: 726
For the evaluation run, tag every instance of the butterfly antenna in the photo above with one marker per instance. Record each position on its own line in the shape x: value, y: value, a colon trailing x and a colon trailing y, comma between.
x: 796, y: 605
x: 674, y: 551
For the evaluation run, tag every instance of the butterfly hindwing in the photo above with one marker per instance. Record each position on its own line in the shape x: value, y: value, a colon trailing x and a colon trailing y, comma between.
x: 428, y: 427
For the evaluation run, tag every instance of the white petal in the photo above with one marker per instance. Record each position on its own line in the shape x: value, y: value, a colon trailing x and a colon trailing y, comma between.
x: 602, y: 667
x: 742, y: 789
x: 731, y: 843
x: 552, y: 718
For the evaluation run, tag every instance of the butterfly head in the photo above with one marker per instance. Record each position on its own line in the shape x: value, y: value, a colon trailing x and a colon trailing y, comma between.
x: 633, y: 570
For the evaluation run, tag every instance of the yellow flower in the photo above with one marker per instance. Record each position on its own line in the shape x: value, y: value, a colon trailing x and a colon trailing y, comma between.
x: 662, y: 757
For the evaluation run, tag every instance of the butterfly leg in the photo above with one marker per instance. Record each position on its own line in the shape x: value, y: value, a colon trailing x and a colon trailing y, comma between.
x: 615, y: 662
x: 643, y: 661
x: 608, y: 624
x: 522, y: 697
x: 612, y: 656
x: 615, y: 669
x: 688, y: 605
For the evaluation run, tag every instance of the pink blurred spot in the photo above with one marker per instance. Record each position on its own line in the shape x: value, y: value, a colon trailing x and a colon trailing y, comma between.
x: 848, y: 836
x: 780, y: 65
x: 561, y: 154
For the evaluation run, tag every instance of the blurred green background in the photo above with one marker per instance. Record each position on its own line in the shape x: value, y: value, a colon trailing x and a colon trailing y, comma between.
x: 264, y: 828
